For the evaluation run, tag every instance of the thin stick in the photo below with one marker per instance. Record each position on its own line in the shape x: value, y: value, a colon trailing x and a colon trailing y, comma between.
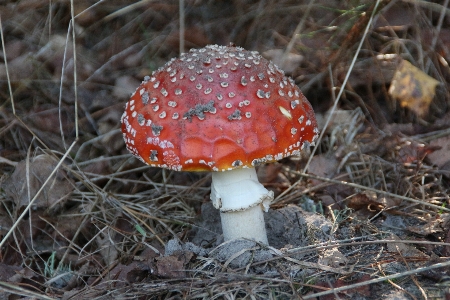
x: 75, y: 88
x: 63, y: 67
x: 6, y: 67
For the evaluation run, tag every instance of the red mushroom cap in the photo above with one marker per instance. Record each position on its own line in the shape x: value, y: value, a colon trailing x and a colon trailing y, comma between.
x: 216, y: 109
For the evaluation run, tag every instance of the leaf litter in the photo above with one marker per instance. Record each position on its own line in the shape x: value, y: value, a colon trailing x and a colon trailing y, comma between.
x: 372, y: 207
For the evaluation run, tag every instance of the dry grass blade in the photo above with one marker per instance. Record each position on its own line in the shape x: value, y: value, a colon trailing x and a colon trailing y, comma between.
x: 17, y: 290
x: 367, y: 188
x: 372, y: 281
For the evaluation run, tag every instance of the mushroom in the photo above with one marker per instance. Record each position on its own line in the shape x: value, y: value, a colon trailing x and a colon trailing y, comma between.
x: 226, y: 110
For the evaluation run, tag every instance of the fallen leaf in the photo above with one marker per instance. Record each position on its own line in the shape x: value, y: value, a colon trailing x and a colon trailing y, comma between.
x: 71, y: 221
x: 405, y: 250
x: 22, y: 190
x: 14, y: 49
x: 362, y: 290
x: 333, y: 258
x: 107, y: 248
x: 131, y: 273
x: 7, y: 271
x: 413, y: 152
x: 330, y: 203
x: 413, y: 88
x: 342, y: 120
x: 366, y: 199
x: 111, y: 139
x: 365, y: 204
x: 395, y: 17
x: 173, y: 266
x: 48, y: 120
x: 108, y: 240
x: 440, y: 156
x: 378, y: 69
x: 269, y: 173
x: 20, y: 68
x: 323, y: 166
x: 435, y: 225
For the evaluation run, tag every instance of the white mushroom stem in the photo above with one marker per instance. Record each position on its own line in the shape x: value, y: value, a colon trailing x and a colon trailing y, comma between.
x: 241, y: 200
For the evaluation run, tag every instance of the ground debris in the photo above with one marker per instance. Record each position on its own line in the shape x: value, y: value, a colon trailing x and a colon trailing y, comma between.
x: 27, y: 180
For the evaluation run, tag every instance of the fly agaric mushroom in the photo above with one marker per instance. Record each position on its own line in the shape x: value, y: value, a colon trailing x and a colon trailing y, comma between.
x: 226, y: 110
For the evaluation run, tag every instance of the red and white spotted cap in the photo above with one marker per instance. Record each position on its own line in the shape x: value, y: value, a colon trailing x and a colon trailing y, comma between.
x: 215, y: 109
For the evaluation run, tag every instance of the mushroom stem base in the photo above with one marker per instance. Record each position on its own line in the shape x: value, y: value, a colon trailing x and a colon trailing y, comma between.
x: 247, y: 223
x: 241, y: 200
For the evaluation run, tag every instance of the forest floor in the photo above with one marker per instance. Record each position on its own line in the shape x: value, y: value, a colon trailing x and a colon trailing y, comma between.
x: 367, y: 216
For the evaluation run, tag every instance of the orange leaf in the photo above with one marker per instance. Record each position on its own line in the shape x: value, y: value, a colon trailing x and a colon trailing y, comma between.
x: 413, y: 88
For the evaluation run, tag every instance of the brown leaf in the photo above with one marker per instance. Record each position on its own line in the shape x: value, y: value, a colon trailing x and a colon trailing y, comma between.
x: 364, y: 200
x: 14, y: 49
x: 405, y: 250
x: 330, y: 202
x: 36, y: 233
x: 7, y: 271
x: 107, y: 123
x: 413, y: 88
x: 396, y: 17
x: 20, y: 68
x: 379, y: 69
x: 412, y: 151
x: 440, y: 156
x: 365, y: 204
x: 268, y: 173
x: 333, y: 258
x: 434, y: 225
x: 48, y: 120
x: 85, y: 16
x: 108, y: 249
x: 173, y: 266
x: 54, y: 194
x: 323, y: 166
x: 363, y: 290
x: 131, y: 273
